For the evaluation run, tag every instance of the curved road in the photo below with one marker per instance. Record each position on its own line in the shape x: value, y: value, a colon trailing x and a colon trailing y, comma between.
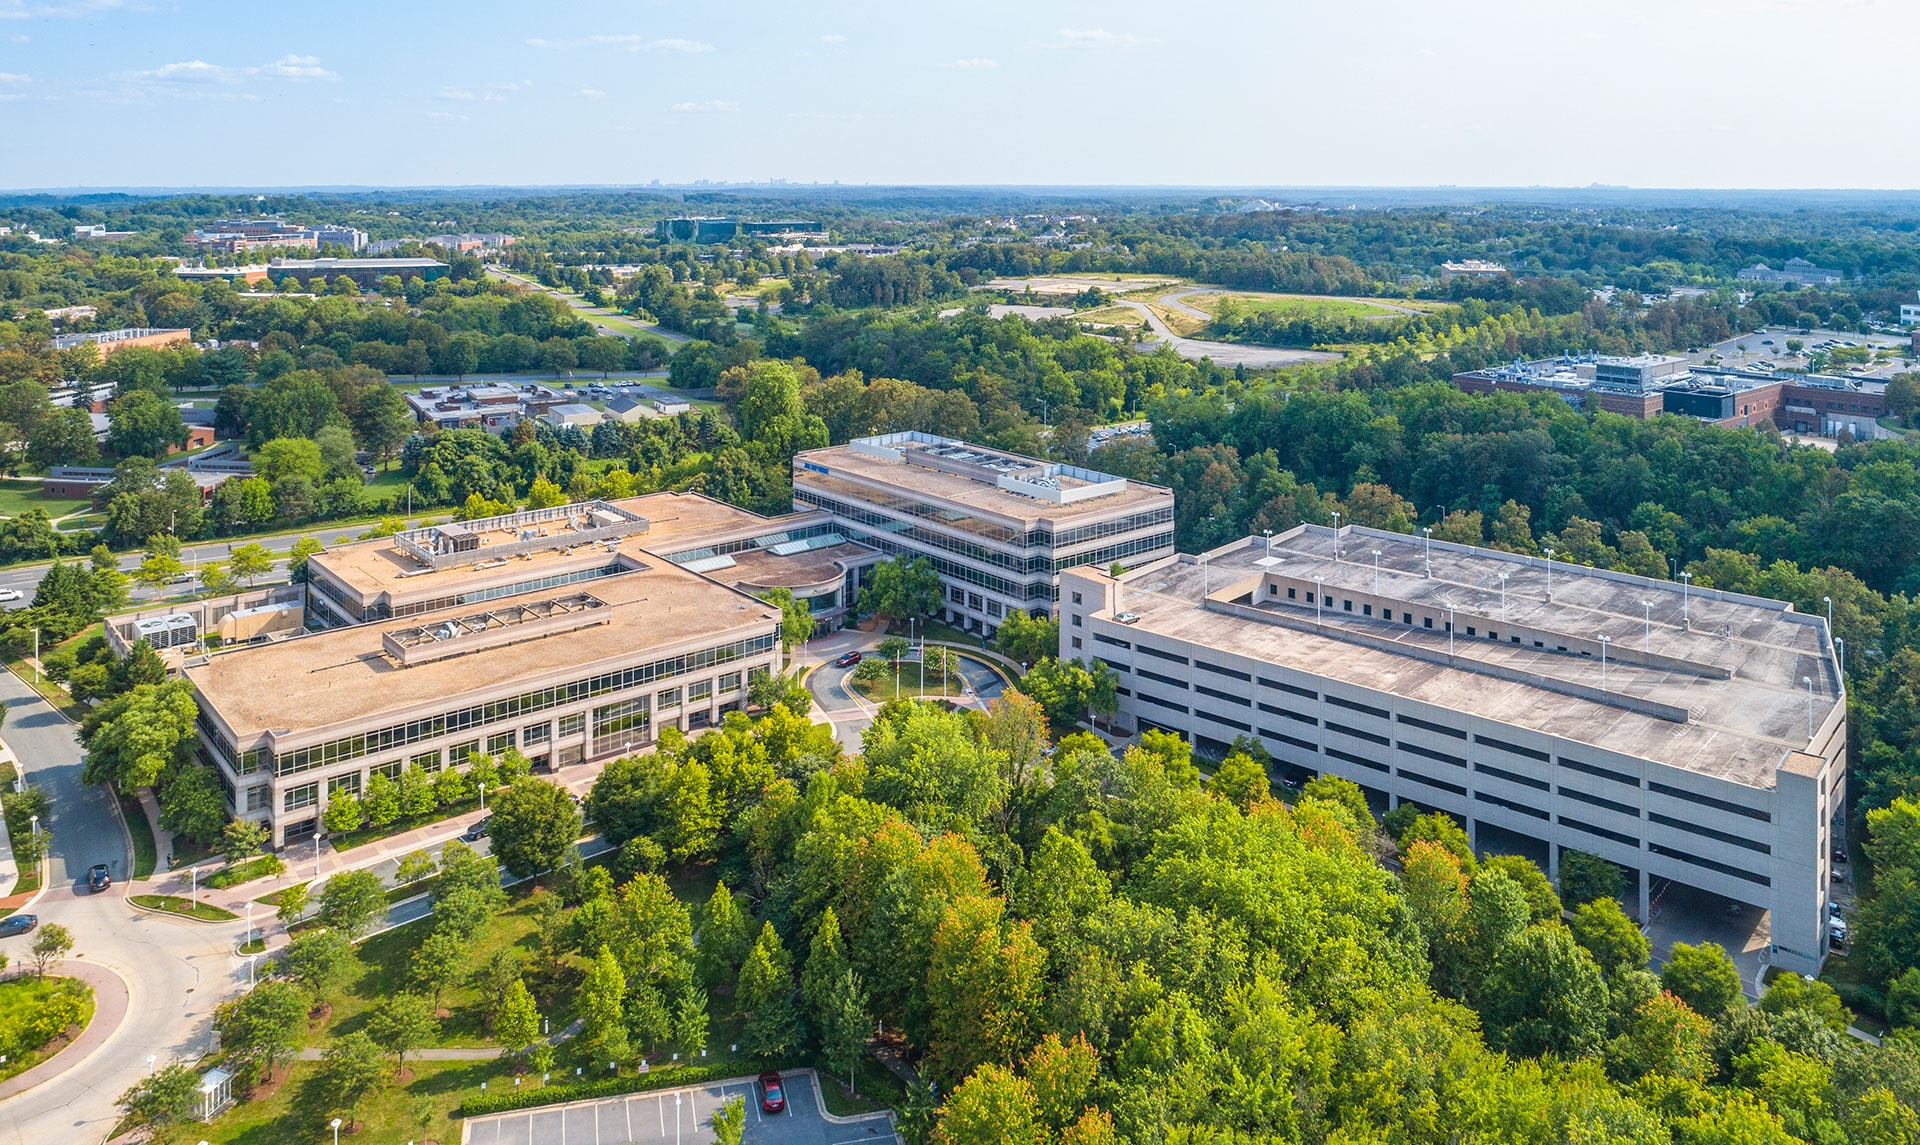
x: 175, y: 971
x: 852, y: 715
x: 1224, y: 353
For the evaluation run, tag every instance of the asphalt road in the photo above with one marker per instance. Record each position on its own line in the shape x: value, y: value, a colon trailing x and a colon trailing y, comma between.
x: 590, y: 311
x: 1226, y: 353
x: 175, y: 970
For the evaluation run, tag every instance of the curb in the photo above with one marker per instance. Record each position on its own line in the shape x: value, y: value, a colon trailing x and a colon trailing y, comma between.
x: 65, y: 1063
x: 187, y: 917
x: 820, y: 1099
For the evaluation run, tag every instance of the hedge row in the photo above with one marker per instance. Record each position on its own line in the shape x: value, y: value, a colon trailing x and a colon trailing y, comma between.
x: 507, y: 1101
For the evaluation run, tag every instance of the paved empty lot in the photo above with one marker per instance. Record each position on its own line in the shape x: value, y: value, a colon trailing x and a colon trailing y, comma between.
x: 680, y: 1116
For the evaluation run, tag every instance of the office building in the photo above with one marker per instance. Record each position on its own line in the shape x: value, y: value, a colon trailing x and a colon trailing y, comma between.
x: 99, y: 231
x: 1471, y: 268
x: 1794, y: 272
x: 1649, y: 385
x: 998, y: 527
x: 111, y: 342
x: 366, y: 273
x: 1689, y: 735
x: 707, y: 229
x: 553, y: 632
x: 496, y: 408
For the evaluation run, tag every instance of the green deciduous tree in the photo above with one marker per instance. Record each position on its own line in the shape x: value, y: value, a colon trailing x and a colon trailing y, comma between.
x: 267, y: 1026
x: 1703, y: 977
x: 1585, y: 877
x: 902, y: 588
x: 993, y: 1106
x: 318, y: 959
x: 166, y: 1102
x: 516, y: 1024
x: 1603, y: 930
x: 535, y: 824
x: 134, y: 737
x: 242, y: 838
x: 401, y: 1024
x: 52, y: 943
x: 602, y: 1007
x: 350, y: 1069
x: 1545, y: 995
x: 438, y: 962
x: 352, y: 901
x: 764, y: 997
x: 723, y: 939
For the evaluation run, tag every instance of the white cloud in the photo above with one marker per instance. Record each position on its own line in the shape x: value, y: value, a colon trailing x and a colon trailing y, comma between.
x: 1095, y: 38
x: 591, y: 93
x: 833, y: 38
x: 625, y: 43
x: 448, y: 116
x: 293, y: 67
x: 23, y: 10
x: 199, y: 74
x: 712, y: 105
x: 463, y: 96
x: 14, y: 78
x: 975, y: 62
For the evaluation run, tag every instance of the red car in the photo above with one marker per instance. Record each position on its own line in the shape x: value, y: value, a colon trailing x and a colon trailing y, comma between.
x: 773, y: 1095
x: 847, y: 661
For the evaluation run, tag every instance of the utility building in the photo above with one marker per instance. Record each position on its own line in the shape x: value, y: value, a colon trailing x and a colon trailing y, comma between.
x: 1688, y: 735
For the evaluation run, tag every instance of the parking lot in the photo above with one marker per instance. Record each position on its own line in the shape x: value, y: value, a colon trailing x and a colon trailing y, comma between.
x: 681, y: 1116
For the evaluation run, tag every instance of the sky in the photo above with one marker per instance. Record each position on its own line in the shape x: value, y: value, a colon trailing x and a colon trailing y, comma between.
x: 1222, y: 93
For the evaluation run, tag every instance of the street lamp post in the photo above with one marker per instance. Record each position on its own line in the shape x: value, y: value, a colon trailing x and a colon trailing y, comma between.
x: 1336, y: 536
x: 1376, y: 572
x: 151, y: 1058
x: 1268, y: 533
x: 1427, y: 533
x: 1319, y: 598
x: 336, y: 1131
x: 1841, y: 646
x: 1808, y: 681
x: 1549, y: 576
x: 1686, y: 604
x: 1829, y: 601
x: 1604, y: 641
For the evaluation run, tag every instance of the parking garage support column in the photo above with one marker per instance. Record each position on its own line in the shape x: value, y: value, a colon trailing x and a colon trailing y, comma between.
x: 1646, y: 906
x: 1553, y: 863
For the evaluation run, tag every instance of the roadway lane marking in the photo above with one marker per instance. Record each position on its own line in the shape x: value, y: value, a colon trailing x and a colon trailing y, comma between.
x: 662, y: 1103
x: 628, y: 1104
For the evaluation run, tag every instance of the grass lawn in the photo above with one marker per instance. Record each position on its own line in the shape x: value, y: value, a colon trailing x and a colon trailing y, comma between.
x: 875, y: 1088
x: 25, y: 995
x: 49, y: 691
x: 348, y: 840
x: 174, y: 904
x: 17, y: 496
x: 420, y: 1110
x: 273, y: 899
x: 258, y: 867
x: 146, y: 853
x: 880, y: 691
x: 1288, y: 305
x: 1111, y: 316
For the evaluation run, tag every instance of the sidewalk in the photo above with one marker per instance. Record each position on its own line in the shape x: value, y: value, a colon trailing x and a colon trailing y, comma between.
x: 304, y: 866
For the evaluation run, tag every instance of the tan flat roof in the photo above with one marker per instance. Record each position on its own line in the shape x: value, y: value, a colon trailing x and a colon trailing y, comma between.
x: 923, y: 481
x: 673, y: 517
x: 763, y: 569
x: 327, y: 678
x: 1740, y: 728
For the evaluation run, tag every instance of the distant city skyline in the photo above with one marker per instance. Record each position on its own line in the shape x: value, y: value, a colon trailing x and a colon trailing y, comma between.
x: 1648, y: 93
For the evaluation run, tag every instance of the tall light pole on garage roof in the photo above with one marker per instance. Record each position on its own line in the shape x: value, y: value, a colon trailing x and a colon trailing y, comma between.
x: 1841, y: 647
x: 1336, y: 536
x: 1268, y: 533
x: 1829, y: 601
x: 1426, y: 531
x: 1549, y: 576
x: 1686, y: 605
x: 1604, y: 641
x: 1808, y: 681
x: 1376, y: 572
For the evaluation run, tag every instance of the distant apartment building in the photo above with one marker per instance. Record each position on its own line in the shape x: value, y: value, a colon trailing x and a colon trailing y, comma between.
x: 997, y: 527
x: 114, y: 341
x: 1795, y: 272
x: 1909, y: 313
x: 1471, y: 268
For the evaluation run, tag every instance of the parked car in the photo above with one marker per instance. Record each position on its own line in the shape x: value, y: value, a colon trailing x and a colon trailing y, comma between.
x: 18, y: 924
x: 1837, y: 932
x: 99, y: 878
x: 773, y: 1095
x: 847, y: 661
x: 478, y: 831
